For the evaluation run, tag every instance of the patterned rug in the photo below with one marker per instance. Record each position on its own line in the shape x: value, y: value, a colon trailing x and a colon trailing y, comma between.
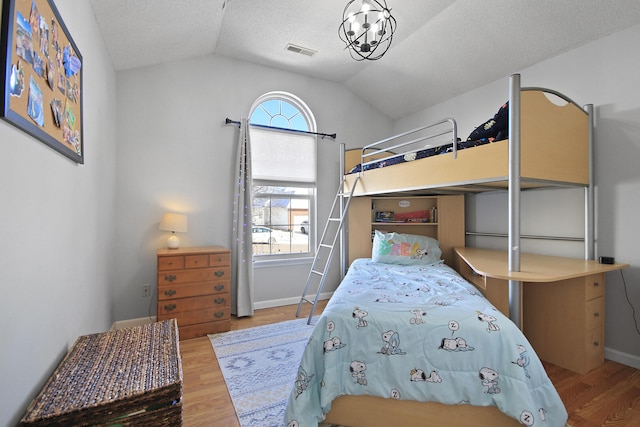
x: 259, y: 366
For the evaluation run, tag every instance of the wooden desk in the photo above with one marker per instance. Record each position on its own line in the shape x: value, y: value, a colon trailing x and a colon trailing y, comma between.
x: 562, y: 301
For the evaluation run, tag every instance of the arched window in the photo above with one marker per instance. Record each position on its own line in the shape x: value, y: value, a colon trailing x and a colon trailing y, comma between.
x: 283, y: 157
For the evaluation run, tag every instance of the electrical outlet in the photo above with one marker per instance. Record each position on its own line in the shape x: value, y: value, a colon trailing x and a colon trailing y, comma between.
x: 146, y: 290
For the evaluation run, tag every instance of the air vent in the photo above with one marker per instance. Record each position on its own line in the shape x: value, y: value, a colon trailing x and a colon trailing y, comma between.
x: 301, y: 50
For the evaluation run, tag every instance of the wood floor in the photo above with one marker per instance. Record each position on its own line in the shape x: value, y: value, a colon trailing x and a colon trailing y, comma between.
x: 606, y: 396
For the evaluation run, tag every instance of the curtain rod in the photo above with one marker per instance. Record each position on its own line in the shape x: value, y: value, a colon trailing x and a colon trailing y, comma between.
x: 228, y: 121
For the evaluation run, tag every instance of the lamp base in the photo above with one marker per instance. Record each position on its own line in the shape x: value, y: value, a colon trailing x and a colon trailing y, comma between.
x: 173, y: 242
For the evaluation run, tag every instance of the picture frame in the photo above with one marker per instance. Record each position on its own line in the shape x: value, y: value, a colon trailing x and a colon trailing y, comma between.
x: 41, y: 76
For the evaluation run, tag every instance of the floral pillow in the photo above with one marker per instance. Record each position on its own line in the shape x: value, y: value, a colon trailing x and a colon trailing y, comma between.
x: 405, y: 249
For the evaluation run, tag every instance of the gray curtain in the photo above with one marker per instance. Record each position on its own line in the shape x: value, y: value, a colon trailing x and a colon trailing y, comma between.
x: 241, y: 245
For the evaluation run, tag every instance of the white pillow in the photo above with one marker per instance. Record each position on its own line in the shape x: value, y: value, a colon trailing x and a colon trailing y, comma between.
x: 405, y: 249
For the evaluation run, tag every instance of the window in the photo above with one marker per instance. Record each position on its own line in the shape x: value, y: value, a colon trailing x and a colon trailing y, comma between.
x: 283, y: 161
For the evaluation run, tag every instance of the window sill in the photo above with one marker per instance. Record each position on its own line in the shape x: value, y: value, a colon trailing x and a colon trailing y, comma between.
x: 268, y: 263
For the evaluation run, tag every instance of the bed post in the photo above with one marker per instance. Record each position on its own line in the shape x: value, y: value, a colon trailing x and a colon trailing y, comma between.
x: 343, y: 231
x: 590, y: 210
x: 515, y: 286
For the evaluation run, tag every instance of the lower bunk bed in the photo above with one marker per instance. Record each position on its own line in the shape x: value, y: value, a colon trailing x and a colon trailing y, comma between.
x: 406, y: 340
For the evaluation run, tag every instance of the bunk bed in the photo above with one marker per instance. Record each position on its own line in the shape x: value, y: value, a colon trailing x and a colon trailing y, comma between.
x: 549, y: 145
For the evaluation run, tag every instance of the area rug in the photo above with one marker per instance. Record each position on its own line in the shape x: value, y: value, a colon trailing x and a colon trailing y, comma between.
x: 259, y: 366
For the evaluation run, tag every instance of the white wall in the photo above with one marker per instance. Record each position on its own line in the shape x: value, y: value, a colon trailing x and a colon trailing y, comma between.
x: 81, y: 239
x: 56, y: 222
x: 176, y: 153
x: 603, y: 73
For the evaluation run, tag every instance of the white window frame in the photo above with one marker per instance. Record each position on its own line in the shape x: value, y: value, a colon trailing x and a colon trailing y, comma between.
x: 291, y: 258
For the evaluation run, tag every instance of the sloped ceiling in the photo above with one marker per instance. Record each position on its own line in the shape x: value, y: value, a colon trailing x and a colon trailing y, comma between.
x: 441, y: 48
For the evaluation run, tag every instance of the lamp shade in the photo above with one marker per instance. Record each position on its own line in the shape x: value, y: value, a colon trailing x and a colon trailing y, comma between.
x: 173, y: 222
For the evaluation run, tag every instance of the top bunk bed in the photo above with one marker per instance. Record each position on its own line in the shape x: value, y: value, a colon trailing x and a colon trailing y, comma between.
x: 549, y: 141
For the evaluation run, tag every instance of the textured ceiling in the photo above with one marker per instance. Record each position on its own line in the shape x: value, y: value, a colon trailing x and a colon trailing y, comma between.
x: 442, y: 48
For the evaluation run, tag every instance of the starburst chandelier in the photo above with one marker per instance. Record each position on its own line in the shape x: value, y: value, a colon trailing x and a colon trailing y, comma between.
x: 367, y: 29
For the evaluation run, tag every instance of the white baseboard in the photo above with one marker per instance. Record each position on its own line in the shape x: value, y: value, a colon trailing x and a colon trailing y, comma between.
x: 285, y: 301
x: 621, y: 357
x: 121, y: 324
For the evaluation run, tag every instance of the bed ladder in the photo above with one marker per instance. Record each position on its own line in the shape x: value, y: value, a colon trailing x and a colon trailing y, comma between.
x: 326, y: 246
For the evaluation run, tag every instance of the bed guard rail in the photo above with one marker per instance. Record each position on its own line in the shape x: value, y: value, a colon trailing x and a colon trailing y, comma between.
x: 375, y: 151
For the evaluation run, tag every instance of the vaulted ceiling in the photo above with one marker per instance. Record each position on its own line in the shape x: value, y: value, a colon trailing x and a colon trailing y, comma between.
x: 441, y: 48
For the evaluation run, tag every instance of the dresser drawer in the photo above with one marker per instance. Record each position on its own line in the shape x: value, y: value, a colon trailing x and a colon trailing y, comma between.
x: 191, y: 290
x: 594, y: 286
x: 170, y: 263
x: 196, y: 261
x: 181, y: 305
x: 594, y: 313
x: 193, y: 275
x: 221, y: 259
x: 201, y: 329
x: 201, y: 316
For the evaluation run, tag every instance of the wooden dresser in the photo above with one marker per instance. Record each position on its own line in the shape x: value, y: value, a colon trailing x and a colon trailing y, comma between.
x: 194, y: 288
x: 562, y: 301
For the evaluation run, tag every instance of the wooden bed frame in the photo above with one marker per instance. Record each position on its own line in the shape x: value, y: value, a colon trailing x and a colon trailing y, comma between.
x: 554, y: 144
x: 368, y: 411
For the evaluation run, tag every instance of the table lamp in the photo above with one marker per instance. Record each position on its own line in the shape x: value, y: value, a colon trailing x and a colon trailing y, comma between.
x: 173, y: 222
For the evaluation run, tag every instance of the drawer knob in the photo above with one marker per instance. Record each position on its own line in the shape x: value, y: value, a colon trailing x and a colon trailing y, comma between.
x: 596, y: 343
x: 219, y: 287
x: 596, y: 314
x: 596, y: 284
x: 170, y: 292
x: 219, y: 300
x: 170, y: 307
x: 219, y: 273
x: 170, y: 277
x: 219, y: 314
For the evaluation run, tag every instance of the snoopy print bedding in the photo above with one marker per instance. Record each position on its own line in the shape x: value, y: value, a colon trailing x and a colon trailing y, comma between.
x: 419, y: 333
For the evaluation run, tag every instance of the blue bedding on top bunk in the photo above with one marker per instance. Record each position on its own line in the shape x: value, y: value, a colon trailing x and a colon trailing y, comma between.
x: 494, y: 129
x: 419, y: 333
x: 421, y: 154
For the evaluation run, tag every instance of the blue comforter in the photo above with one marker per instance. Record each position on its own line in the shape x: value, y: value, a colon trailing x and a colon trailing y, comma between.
x: 419, y: 333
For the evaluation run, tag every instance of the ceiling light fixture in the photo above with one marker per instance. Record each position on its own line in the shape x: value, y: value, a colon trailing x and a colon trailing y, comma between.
x: 367, y: 29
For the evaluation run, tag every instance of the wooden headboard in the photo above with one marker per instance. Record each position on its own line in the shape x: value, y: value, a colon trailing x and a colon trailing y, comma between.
x: 449, y: 229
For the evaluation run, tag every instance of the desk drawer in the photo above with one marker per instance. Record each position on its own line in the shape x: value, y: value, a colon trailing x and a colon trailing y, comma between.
x: 470, y: 275
x: 594, y: 286
x: 594, y: 313
x: 594, y: 348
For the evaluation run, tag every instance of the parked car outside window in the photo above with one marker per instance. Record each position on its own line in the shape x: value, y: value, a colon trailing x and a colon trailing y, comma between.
x: 266, y: 235
x: 304, y: 227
